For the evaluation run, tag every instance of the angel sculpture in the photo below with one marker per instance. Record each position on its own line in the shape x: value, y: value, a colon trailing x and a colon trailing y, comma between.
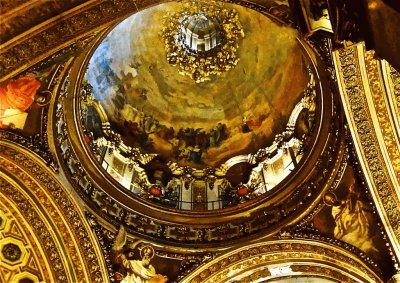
x: 137, y: 271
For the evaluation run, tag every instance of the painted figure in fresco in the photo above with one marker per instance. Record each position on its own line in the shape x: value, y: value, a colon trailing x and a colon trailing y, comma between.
x: 354, y: 220
x: 16, y: 96
x: 133, y: 270
x: 245, y: 125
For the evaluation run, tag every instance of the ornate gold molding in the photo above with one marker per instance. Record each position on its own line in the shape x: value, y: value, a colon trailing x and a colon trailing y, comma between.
x: 375, y: 139
x: 43, y: 38
x: 19, y: 16
x: 382, y: 110
x: 54, y: 218
x: 24, y: 257
x: 282, y: 258
x: 391, y: 79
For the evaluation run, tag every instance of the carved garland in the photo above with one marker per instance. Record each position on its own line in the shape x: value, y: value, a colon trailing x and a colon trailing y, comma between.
x: 395, y: 76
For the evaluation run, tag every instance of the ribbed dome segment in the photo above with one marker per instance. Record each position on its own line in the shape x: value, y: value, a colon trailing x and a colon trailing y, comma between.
x: 200, y: 33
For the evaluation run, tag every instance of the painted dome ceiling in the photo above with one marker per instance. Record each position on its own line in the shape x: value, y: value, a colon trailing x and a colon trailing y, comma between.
x: 238, y: 128
x: 209, y: 143
x: 140, y: 90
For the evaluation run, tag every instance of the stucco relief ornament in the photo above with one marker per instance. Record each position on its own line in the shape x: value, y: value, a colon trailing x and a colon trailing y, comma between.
x: 202, y: 39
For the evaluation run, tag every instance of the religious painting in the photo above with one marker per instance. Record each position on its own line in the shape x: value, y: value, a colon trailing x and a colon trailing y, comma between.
x: 16, y: 97
x: 158, y: 109
x: 348, y: 216
x: 137, y: 262
x: 24, y: 97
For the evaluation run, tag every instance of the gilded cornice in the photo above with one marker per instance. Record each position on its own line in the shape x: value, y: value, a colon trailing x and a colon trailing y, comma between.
x: 56, y: 33
x: 41, y: 39
x: 19, y: 16
x: 366, y: 109
x: 298, y: 255
x: 54, y: 217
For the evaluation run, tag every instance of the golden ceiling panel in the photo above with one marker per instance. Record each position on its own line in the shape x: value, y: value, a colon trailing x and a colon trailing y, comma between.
x: 51, y: 216
x: 20, y: 252
x: 59, y: 266
x: 374, y: 131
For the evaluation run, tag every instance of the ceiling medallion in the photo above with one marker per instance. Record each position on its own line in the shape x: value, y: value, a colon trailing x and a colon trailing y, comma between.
x: 11, y: 252
x: 202, y: 39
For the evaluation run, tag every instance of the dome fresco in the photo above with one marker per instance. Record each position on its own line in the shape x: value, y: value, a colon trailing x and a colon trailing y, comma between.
x: 218, y: 124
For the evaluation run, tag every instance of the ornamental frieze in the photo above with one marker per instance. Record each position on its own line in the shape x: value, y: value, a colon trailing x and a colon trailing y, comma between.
x: 373, y: 68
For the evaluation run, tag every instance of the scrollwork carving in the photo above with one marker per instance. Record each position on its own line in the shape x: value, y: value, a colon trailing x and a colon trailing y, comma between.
x: 353, y: 90
x: 373, y: 72
x: 35, y: 144
x: 395, y: 76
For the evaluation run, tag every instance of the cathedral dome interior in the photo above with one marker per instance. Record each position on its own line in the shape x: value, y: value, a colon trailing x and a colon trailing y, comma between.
x: 199, y: 141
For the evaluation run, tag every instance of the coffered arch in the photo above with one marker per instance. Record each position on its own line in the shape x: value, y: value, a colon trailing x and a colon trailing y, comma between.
x: 44, y: 236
